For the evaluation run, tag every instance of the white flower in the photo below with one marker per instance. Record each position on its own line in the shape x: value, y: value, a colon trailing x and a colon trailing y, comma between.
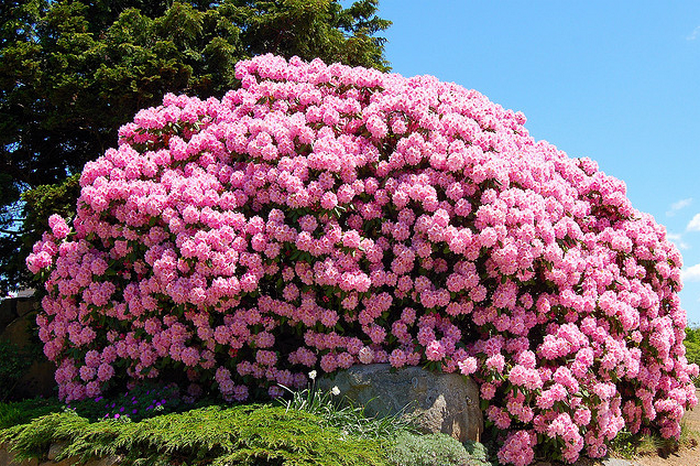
x: 335, y: 390
x: 312, y: 375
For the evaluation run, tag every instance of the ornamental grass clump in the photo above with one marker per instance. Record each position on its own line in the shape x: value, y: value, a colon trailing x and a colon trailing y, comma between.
x: 322, y: 216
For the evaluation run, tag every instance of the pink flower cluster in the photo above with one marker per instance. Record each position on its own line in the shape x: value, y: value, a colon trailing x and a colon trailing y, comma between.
x: 323, y: 216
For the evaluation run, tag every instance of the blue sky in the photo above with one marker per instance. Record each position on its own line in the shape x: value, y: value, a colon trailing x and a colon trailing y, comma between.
x: 618, y: 82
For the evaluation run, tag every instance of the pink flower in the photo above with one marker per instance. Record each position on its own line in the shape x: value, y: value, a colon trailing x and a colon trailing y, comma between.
x: 435, y: 351
x: 321, y: 216
x: 190, y: 356
x: 365, y: 355
x: 582, y: 416
x: 498, y: 416
x: 517, y: 449
x: 522, y: 376
x: 397, y: 358
x: 59, y: 227
x: 551, y: 395
x: 329, y: 362
x: 487, y: 391
x: 105, y: 372
x: 496, y: 362
x: 467, y: 366
x: 329, y: 201
x: 240, y: 393
x: 87, y: 373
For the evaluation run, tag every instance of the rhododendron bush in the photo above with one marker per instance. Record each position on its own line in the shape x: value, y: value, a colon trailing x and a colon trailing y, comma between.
x: 324, y: 216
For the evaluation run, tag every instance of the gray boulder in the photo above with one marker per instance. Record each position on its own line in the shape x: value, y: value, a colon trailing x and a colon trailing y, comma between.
x: 447, y: 403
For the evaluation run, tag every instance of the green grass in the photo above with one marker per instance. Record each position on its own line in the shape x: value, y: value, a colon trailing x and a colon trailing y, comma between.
x: 629, y: 445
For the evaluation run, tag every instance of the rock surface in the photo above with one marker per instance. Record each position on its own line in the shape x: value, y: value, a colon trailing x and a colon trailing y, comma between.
x: 619, y: 462
x: 447, y: 403
x: 11, y: 308
x: 25, y: 305
x: 17, y: 332
x: 7, y: 458
x: 7, y: 313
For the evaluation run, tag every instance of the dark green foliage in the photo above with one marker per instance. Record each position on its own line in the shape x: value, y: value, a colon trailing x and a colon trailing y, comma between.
x: 315, y: 28
x: 436, y: 450
x: 14, y: 362
x: 241, y: 435
x: 21, y: 412
x: 692, y: 343
x: 72, y: 72
x: 45, y: 200
x: 625, y: 444
x: 141, y: 402
x: 39, y: 204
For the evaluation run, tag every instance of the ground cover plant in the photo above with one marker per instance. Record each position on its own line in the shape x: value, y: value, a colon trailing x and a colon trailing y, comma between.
x: 310, y: 428
x: 322, y: 216
x: 436, y: 450
x: 238, y: 435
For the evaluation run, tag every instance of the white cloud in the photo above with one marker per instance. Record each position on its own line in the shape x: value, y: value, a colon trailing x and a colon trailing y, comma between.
x: 691, y: 274
x: 676, y: 206
x: 677, y: 239
x: 695, y: 34
x: 694, y: 224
